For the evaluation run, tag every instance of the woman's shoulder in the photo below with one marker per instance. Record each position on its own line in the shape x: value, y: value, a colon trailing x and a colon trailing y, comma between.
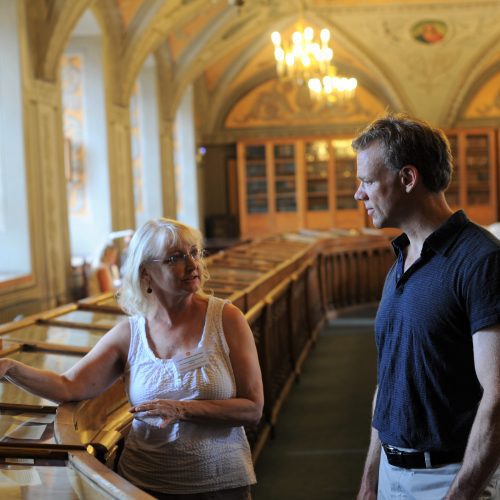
x: 231, y: 315
x: 123, y: 328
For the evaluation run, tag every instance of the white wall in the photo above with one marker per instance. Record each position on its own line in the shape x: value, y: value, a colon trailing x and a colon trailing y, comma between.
x: 88, y: 231
x: 185, y: 162
x: 150, y: 147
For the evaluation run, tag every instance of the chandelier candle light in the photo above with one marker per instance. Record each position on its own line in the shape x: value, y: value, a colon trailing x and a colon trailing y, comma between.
x: 309, y: 63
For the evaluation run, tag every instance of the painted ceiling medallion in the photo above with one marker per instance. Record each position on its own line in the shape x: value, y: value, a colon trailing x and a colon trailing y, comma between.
x: 429, y: 31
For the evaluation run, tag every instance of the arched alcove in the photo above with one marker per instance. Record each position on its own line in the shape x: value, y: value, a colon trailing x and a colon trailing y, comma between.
x: 86, y: 156
x: 145, y: 137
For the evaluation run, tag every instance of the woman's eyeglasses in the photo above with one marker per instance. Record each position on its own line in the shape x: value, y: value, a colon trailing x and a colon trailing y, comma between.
x: 181, y: 257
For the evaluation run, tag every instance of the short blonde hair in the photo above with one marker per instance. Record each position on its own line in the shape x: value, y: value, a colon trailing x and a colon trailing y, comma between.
x: 149, y: 242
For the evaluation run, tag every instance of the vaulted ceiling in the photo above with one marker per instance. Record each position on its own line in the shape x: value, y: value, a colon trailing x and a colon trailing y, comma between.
x: 226, y: 50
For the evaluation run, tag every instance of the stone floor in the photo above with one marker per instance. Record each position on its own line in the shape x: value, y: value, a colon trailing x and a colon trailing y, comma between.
x: 323, y: 430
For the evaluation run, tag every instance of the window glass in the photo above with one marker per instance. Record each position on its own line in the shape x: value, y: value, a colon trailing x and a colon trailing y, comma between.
x: 15, y: 254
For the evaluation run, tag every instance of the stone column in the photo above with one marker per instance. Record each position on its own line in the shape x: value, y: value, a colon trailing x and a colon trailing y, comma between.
x: 120, y: 168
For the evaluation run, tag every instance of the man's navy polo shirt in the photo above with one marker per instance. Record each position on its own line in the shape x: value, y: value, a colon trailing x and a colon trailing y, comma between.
x: 428, y: 391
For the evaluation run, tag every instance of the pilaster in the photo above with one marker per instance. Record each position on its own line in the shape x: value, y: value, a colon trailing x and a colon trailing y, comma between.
x: 120, y: 170
x: 47, y: 191
x: 167, y: 168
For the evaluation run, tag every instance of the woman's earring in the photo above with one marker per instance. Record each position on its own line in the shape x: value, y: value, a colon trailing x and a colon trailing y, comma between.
x: 149, y: 289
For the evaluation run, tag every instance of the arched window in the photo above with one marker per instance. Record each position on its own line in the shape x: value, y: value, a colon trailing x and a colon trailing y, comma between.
x: 145, y: 145
x: 15, y: 254
x: 85, y: 140
x: 186, y: 174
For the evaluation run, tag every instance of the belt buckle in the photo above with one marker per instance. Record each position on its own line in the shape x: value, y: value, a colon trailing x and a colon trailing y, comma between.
x: 393, y: 451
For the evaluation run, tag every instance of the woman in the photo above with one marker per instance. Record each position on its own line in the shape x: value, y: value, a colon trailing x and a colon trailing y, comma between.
x: 190, y: 367
x: 105, y: 275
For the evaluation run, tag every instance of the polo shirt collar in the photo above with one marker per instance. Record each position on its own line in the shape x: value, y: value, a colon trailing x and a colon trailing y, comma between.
x: 441, y: 239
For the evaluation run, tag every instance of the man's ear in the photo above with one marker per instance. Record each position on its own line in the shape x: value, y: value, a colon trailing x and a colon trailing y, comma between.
x: 409, y: 176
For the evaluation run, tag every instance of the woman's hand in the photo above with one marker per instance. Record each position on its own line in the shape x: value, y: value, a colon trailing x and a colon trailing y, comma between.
x: 168, y: 410
x: 5, y: 364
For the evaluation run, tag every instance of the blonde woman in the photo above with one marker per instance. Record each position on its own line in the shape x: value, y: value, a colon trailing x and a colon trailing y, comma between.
x: 190, y: 367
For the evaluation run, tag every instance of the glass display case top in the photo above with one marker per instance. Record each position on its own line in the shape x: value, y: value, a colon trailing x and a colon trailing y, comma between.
x: 25, y: 427
x: 57, y: 336
x: 88, y: 319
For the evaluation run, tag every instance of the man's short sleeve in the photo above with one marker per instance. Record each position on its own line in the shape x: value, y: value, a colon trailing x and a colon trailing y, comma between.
x: 483, y: 292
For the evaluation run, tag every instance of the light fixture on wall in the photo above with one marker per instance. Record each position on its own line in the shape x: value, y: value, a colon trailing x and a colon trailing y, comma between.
x: 309, y: 63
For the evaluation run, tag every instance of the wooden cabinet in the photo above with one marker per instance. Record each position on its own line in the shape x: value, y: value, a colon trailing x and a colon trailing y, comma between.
x: 286, y: 185
x: 318, y: 185
x: 474, y: 182
x: 347, y: 212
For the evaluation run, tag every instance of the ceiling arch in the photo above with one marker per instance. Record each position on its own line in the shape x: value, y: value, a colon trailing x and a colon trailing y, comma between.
x: 52, y: 33
x: 474, y: 76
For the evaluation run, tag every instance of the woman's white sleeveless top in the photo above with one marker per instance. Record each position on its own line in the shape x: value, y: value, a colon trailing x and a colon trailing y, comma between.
x: 184, y: 457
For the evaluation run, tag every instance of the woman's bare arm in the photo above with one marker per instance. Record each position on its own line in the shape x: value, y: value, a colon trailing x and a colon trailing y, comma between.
x: 90, y: 376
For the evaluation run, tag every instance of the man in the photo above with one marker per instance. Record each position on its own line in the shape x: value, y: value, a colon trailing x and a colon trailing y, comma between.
x: 436, y: 417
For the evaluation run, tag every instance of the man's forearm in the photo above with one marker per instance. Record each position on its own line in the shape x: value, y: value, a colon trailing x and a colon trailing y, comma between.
x: 482, y: 455
x: 369, y: 481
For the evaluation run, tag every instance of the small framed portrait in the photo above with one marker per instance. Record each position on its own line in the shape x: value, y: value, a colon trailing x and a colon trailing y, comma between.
x: 429, y: 31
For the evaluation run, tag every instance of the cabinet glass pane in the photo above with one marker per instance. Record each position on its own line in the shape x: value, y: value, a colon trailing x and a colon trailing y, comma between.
x: 287, y: 204
x: 317, y: 204
x: 345, y: 174
x: 315, y: 186
x: 256, y: 205
x: 284, y: 151
x: 317, y: 161
x: 285, y: 168
x: 285, y: 186
x: 284, y: 175
x: 478, y: 169
x: 257, y: 187
x: 256, y: 178
x: 256, y: 169
x: 257, y: 152
x: 453, y: 191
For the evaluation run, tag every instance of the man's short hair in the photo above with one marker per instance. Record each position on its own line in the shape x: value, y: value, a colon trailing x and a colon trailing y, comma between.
x: 409, y: 141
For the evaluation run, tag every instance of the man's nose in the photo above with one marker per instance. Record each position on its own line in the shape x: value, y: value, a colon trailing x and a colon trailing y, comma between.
x: 359, y: 194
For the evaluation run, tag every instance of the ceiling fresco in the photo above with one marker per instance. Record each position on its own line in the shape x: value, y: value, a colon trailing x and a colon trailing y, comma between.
x: 439, y: 59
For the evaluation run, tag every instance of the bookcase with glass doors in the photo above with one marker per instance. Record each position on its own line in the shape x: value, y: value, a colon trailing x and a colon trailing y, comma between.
x: 286, y: 185
x: 289, y: 184
x: 474, y: 184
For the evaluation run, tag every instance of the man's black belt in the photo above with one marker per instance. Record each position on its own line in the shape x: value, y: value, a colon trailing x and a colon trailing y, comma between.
x: 420, y: 459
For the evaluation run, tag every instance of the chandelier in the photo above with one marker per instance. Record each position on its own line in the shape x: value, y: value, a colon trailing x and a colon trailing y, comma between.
x: 309, y: 63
